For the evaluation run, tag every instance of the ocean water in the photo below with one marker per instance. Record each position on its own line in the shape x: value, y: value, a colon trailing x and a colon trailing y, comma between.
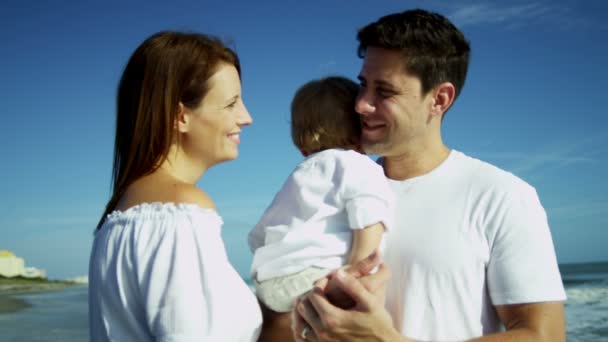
x: 53, y: 316
x: 62, y: 316
x: 587, y: 304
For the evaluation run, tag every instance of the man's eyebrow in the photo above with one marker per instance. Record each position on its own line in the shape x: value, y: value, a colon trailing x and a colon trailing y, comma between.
x: 383, y: 83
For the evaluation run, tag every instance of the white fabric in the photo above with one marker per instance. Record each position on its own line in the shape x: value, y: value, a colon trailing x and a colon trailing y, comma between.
x: 279, y: 294
x: 309, y: 221
x: 467, y: 236
x: 159, y: 272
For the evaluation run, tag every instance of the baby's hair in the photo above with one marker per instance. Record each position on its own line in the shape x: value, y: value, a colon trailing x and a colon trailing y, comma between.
x: 323, y: 115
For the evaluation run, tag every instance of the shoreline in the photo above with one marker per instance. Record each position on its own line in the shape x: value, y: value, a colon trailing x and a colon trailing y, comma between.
x: 11, y: 303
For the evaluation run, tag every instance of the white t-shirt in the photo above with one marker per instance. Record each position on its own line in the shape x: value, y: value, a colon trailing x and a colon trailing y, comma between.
x: 159, y: 272
x: 310, y: 219
x: 467, y: 236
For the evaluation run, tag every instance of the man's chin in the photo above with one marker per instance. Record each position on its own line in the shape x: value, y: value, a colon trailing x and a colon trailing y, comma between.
x: 373, y: 146
x: 377, y: 148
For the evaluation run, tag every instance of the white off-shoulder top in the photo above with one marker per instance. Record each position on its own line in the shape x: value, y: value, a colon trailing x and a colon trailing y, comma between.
x: 159, y: 272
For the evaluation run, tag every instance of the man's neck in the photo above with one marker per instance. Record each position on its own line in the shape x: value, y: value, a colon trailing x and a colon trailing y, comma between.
x: 415, y: 163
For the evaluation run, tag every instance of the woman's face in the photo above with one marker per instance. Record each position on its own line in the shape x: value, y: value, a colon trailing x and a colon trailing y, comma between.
x: 214, y: 127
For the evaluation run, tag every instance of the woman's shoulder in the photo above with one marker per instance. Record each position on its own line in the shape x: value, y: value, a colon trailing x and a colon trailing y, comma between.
x: 158, y: 188
x: 164, y: 202
x: 190, y: 193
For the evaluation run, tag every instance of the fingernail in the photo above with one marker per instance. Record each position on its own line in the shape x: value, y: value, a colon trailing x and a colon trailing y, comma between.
x: 340, y: 274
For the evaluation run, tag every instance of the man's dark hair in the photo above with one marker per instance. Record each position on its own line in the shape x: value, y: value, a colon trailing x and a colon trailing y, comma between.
x: 433, y: 48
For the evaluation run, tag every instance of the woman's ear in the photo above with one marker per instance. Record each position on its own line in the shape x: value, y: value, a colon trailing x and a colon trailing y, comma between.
x: 182, y: 119
x: 443, y: 98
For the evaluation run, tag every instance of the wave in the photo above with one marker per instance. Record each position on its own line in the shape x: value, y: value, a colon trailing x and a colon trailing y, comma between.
x: 587, y: 311
x: 589, y: 295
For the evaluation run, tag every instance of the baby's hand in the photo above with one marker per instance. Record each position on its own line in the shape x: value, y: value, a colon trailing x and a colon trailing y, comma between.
x: 335, y: 295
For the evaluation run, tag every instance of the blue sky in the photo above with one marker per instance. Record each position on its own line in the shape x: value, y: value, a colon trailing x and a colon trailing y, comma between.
x: 533, y: 104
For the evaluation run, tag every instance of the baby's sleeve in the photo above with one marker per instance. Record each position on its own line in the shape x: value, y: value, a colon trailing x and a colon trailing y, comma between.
x: 255, y: 238
x: 367, y: 194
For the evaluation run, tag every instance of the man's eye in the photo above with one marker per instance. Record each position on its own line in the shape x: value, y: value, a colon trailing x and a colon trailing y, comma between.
x: 231, y: 105
x: 384, y: 92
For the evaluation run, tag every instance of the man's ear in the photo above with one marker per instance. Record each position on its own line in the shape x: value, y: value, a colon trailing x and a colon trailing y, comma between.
x: 443, y: 97
x: 182, y: 119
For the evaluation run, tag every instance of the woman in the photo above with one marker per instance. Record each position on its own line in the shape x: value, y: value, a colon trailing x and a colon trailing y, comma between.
x: 158, y: 268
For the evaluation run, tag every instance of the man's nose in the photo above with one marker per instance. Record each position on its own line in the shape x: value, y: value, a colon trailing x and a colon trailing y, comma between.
x: 364, y: 105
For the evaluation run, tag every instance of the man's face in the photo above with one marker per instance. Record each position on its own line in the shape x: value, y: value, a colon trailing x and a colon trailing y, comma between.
x: 394, y: 113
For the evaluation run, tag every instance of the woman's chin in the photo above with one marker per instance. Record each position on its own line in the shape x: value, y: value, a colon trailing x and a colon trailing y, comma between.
x: 227, y: 158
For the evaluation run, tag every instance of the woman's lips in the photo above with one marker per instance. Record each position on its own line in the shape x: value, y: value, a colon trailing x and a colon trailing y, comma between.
x: 235, y: 137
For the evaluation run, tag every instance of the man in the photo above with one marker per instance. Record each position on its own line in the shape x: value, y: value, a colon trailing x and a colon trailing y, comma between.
x: 471, y: 254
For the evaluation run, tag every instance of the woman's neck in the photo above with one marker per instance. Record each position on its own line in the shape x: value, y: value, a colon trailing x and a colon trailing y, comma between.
x: 181, y: 167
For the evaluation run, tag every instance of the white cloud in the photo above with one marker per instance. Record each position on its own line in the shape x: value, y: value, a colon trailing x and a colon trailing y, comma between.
x: 561, y: 155
x: 561, y: 15
x: 580, y: 210
x: 482, y: 13
x: 557, y: 155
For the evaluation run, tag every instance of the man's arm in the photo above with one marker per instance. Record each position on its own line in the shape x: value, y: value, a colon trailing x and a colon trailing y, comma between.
x: 369, y: 320
x: 530, y: 322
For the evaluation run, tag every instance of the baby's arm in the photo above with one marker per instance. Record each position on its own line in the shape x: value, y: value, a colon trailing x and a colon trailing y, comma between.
x: 365, y: 242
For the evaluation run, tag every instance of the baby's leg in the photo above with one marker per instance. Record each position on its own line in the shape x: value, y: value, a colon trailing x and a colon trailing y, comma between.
x: 277, y: 297
x: 276, y: 326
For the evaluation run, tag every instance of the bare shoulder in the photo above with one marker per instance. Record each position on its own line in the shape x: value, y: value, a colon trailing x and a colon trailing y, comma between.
x: 189, y: 193
x: 158, y: 187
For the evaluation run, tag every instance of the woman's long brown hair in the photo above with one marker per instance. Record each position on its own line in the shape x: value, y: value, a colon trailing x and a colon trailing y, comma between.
x: 166, y: 69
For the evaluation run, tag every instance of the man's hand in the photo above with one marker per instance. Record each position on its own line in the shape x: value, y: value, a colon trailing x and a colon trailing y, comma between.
x: 365, y: 320
x: 361, y: 269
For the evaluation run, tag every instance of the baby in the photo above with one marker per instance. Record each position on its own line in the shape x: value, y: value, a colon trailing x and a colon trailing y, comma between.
x: 332, y: 210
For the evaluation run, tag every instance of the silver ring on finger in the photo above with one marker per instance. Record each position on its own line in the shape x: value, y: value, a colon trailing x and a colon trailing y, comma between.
x: 305, y: 332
